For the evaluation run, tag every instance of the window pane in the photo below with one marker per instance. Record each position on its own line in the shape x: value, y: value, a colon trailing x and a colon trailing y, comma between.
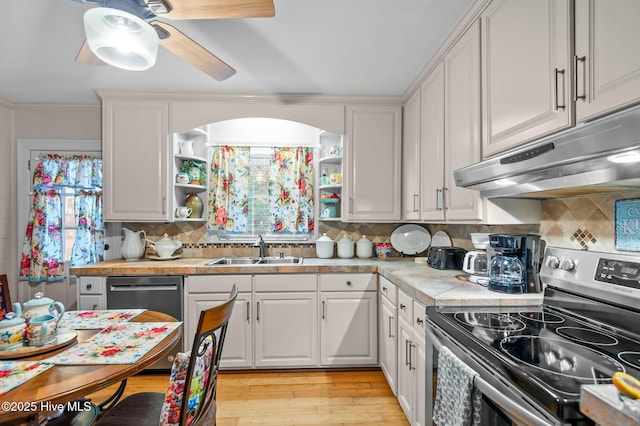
x: 69, y: 238
x: 68, y: 202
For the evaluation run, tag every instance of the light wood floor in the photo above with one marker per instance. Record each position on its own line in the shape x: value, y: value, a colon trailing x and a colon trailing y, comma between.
x: 293, y: 398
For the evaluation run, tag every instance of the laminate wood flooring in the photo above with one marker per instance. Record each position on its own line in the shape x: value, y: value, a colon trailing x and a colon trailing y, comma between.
x: 292, y: 398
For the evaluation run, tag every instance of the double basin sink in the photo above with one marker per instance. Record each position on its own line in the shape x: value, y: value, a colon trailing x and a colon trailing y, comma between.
x: 250, y: 260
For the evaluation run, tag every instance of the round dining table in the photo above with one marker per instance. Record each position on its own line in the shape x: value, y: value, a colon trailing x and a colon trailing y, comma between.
x: 28, y: 403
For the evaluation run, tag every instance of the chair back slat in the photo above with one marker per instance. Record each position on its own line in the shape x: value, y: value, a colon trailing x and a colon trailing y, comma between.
x: 202, y: 374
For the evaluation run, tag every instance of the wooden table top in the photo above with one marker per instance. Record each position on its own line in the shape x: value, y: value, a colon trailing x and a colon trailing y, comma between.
x: 65, y: 383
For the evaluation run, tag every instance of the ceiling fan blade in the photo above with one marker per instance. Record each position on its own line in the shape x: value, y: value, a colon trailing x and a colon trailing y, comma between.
x: 178, y: 43
x: 219, y: 9
x: 86, y: 56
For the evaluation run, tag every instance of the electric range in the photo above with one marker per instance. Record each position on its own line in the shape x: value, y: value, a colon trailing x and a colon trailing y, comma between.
x: 587, y: 328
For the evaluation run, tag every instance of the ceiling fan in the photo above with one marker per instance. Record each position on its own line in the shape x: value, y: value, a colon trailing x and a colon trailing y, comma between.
x: 125, y: 33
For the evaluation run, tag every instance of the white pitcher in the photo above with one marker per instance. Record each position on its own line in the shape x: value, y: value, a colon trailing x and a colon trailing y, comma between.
x: 133, y: 244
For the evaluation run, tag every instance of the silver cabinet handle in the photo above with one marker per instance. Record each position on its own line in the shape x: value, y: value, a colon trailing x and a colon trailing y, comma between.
x: 402, y: 306
x: 415, y: 205
x: 248, y: 310
x: 582, y: 59
x: 444, y: 198
x: 164, y: 205
x: 390, y: 327
x: 411, y: 366
x: 557, y: 102
x: 383, y: 288
x: 323, y: 309
x: 350, y: 205
x: 407, y: 348
x: 419, y: 321
x: 438, y: 196
x: 258, y: 311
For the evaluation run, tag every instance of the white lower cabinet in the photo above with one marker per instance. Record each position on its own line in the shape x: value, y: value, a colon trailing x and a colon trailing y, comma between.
x: 348, y: 319
x: 411, y: 359
x: 277, y: 322
x: 92, y: 293
x: 206, y: 291
x: 388, y: 332
x: 286, y: 320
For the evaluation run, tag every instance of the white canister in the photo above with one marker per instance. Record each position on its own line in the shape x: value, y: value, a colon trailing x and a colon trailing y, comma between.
x: 324, y: 247
x: 364, y: 248
x: 345, y: 247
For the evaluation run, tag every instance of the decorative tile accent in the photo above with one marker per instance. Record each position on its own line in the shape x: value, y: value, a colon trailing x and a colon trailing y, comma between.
x: 583, y: 238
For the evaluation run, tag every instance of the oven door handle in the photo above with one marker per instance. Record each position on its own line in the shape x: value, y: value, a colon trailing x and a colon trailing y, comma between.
x: 493, y: 394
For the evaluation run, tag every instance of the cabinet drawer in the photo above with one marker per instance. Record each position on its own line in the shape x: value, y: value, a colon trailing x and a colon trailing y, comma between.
x: 388, y: 289
x: 92, y: 285
x: 217, y: 283
x: 419, y: 316
x: 405, y: 307
x: 286, y: 282
x: 348, y: 282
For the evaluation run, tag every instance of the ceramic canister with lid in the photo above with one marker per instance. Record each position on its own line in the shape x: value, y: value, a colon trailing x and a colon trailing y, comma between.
x: 345, y: 247
x: 324, y: 247
x: 364, y: 247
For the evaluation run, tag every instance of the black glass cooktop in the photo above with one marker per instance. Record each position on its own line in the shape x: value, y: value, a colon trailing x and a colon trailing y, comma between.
x: 557, y: 351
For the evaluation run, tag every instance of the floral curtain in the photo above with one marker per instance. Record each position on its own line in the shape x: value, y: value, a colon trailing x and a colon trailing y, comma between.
x: 291, y: 190
x: 229, y: 189
x: 42, y: 253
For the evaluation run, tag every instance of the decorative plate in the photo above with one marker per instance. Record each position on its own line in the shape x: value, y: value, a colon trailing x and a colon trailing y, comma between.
x: 441, y: 239
x: 410, y: 239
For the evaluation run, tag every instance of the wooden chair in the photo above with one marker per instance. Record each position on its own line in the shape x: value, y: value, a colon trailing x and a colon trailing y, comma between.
x: 198, y: 405
x: 5, y: 298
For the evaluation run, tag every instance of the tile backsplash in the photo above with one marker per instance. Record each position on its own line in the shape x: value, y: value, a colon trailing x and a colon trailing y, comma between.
x: 586, y: 223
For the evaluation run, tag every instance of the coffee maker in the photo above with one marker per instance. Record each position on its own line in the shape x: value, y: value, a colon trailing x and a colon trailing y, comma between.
x: 515, y: 265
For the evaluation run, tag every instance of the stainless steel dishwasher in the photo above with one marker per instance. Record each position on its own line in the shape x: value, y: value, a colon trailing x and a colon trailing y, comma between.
x: 161, y: 293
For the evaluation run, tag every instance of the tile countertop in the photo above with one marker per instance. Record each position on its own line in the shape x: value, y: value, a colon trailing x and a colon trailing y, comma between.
x: 428, y: 285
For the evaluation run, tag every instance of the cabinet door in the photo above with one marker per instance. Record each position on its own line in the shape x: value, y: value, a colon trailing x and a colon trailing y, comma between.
x: 419, y: 362
x: 432, y: 148
x: 373, y: 163
x: 411, y: 158
x: 134, y: 148
x: 462, y: 123
x: 388, y: 342
x: 405, y: 374
x: 607, y: 63
x: 286, y: 329
x: 348, y: 328
x: 526, y: 57
x: 238, y: 344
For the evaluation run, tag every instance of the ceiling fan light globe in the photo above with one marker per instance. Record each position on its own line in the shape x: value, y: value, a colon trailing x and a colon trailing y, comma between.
x: 121, y: 39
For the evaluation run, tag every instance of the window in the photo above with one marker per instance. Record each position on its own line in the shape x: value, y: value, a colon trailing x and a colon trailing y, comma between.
x: 266, y: 191
x: 65, y: 222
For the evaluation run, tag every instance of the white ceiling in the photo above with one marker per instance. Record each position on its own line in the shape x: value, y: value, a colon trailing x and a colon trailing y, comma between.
x: 331, y: 47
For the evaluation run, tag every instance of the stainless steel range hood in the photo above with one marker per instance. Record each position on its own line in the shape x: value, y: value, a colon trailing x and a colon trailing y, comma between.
x: 597, y: 157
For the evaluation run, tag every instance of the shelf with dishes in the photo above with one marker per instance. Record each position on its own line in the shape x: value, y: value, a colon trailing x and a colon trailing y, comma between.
x: 330, y: 182
x: 190, y: 175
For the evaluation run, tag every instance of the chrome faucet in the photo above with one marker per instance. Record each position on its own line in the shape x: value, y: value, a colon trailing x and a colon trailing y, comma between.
x: 263, y: 247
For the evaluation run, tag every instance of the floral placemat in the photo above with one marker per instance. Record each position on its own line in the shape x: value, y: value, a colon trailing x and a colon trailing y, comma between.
x: 118, y: 344
x: 15, y: 373
x: 96, y: 320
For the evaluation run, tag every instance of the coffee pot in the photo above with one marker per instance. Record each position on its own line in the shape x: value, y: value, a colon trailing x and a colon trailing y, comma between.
x: 476, y: 263
x: 165, y: 247
x: 515, y: 266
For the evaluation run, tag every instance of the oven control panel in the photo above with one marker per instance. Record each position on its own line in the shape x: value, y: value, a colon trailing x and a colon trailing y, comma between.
x: 618, y: 272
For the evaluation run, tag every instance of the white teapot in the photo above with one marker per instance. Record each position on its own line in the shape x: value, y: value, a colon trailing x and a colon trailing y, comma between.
x: 39, y: 306
x: 165, y: 247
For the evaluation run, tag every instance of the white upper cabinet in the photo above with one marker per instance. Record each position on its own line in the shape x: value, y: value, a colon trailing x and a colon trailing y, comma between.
x: 372, y: 157
x: 462, y: 123
x: 134, y: 148
x: 411, y: 158
x: 526, y: 71
x: 607, y: 60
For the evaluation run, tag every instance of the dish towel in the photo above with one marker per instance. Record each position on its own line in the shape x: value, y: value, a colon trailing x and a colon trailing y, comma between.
x: 457, y: 401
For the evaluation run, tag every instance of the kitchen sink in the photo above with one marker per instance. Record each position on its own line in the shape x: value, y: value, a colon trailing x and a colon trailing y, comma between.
x: 246, y: 261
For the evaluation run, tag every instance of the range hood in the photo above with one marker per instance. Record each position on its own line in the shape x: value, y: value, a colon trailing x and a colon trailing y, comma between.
x: 602, y: 156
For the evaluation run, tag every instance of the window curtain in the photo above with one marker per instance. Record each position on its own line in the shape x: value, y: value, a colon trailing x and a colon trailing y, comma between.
x: 229, y: 189
x: 291, y: 190
x: 42, y: 253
